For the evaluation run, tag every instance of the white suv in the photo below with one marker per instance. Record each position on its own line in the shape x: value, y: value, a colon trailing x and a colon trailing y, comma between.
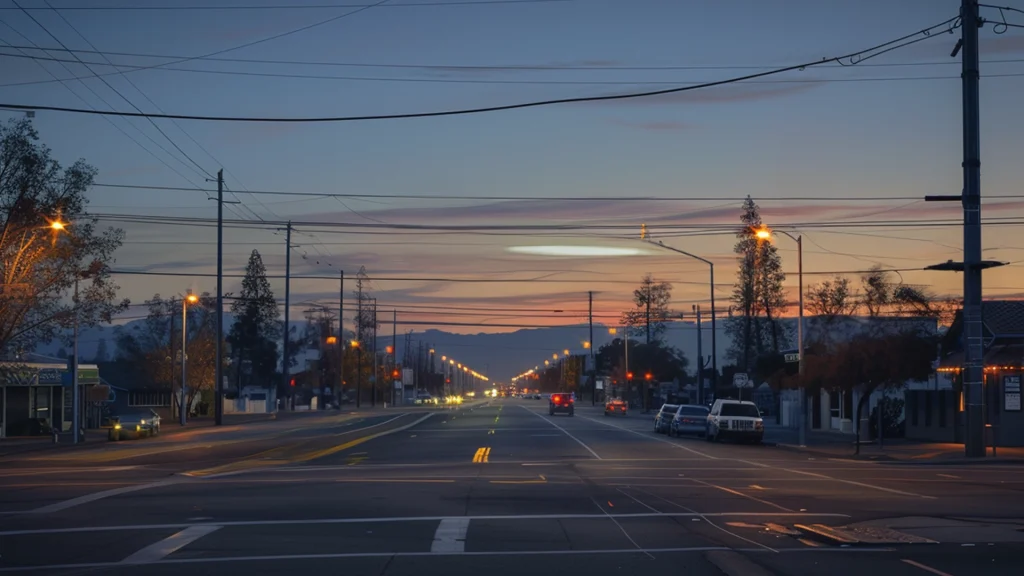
x: 737, y: 419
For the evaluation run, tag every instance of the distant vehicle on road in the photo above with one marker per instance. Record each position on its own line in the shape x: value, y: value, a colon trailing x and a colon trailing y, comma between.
x: 738, y: 419
x: 615, y: 406
x: 562, y: 403
x: 689, y: 419
x: 663, y: 419
x: 133, y: 423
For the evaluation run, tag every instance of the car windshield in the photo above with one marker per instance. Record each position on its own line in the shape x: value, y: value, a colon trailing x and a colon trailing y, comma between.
x: 745, y: 410
x: 693, y: 411
x: 669, y: 408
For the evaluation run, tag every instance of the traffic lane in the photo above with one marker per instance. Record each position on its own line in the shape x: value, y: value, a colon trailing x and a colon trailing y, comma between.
x: 485, y: 435
x: 27, y: 489
x: 941, y: 559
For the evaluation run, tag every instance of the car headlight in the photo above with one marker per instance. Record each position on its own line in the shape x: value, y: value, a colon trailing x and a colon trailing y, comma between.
x: 117, y: 426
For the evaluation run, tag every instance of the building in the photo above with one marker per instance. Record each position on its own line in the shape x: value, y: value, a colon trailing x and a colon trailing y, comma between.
x: 935, y: 410
x: 35, y: 397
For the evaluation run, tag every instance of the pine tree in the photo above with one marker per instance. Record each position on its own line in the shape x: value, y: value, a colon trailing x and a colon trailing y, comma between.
x: 253, y: 336
x: 758, y: 294
x: 650, y: 311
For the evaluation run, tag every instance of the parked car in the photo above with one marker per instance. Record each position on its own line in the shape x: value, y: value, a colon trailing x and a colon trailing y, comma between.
x: 615, y: 406
x: 563, y: 403
x: 663, y: 419
x: 737, y: 419
x: 690, y: 419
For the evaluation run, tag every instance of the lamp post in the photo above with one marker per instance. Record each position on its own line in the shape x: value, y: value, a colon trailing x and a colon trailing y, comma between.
x: 76, y: 400
x: 182, y: 396
x: 714, y: 328
x: 766, y: 234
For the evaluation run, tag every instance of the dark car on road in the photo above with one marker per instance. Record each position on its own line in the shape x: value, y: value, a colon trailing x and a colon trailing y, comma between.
x: 562, y: 403
x: 663, y: 419
x: 689, y: 419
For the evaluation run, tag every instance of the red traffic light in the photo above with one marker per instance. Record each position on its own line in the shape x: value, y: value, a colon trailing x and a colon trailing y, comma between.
x: 395, y: 374
x: 293, y: 382
x: 648, y: 376
x: 629, y: 375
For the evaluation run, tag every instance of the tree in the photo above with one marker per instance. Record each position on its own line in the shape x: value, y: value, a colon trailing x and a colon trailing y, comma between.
x: 758, y: 292
x: 101, y: 351
x: 153, y: 346
x: 40, y: 261
x: 651, y: 311
x: 253, y: 336
x: 831, y: 298
x: 883, y: 296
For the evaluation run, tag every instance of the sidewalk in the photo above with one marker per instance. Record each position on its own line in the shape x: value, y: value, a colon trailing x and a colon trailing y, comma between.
x: 893, y: 450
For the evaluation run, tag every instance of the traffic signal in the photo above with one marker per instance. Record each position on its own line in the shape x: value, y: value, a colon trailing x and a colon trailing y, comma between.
x: 395, y: 374
x: 292, y: 383
x: 648, y: 376
x: 629, y: 375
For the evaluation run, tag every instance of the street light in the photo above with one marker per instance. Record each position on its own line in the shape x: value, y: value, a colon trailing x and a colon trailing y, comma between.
x: 765, y: 233
x: 57, y: 226
x: 182, y: 409
x: 714, y: 330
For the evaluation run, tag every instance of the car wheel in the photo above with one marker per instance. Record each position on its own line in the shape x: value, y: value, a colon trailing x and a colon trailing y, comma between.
x: 551, y: 413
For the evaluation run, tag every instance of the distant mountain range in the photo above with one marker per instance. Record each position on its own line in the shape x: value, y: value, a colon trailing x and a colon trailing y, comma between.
x: 497, y: 355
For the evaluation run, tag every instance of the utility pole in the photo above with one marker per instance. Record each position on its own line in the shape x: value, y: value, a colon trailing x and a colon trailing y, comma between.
x: 700, y: 357
x: 395, y: 394
x: 373, y: 379
x: 287, y: 305
x: 341, y: 336
x: 714, y: 332
x: 76, y: 400
x: 974, y: 375
x: 593, y: 363
x: 218, y: 371
x: 648, y: 314
x: 359, y: 340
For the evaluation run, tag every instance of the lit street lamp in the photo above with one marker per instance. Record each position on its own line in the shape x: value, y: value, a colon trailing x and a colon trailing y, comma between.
x: 766, y: 234
x: 182, y: 397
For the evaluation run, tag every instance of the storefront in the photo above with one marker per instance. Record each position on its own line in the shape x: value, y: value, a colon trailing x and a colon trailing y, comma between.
x: 35, y: 398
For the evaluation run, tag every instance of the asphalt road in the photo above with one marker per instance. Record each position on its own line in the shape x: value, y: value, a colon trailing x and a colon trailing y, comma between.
x: 499, y: 487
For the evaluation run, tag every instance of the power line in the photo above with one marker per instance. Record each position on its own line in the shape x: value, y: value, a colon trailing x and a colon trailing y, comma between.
x: 322, y: 6
x: 505, y: 198
x: 853, y: 57
x: 495, y: 67
x: 124, y: 68
x: 110, y: 121
x: 404, y: 278
x: 107, y: 84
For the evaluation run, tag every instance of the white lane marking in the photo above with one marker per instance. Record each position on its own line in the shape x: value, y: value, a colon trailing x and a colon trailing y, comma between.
x: 649, y: 437
x: 564, y: 431
x: 171, y: 544
x: 704, y: 517
x: 389, y: 519
x: 738, y: 493
x: 64, y: 505
x: 354, y: 430
x: 861, y: 484
x: 621, y: 529
x: 342, y: 555
x: 544, y: 435
x: 450, y: 536
x: 948, y: 476
x: 925, y: 568
x: 638, y: 501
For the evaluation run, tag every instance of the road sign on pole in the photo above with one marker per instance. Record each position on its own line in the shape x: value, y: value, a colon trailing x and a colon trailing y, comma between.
x: 740, y: 380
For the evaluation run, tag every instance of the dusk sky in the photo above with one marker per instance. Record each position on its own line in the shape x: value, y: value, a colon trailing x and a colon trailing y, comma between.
x: 887, y: 128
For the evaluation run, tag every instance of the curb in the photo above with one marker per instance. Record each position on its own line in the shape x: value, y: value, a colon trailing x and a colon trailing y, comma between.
x: 825, y: 454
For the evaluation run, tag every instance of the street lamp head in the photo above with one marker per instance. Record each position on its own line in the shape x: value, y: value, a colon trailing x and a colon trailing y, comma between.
x: 554, y: 356
x: 354, y: 343
x: 613, y: 331
x: 192, y: 298
x: 332, y: 339
x: 586, y: 345
x: 763, y: 233
x: 444, y: 358
x: 57, y: 225
x: 566, y: 351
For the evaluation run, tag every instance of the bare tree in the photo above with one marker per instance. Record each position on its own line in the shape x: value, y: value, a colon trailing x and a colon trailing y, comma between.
x: 831, y: 298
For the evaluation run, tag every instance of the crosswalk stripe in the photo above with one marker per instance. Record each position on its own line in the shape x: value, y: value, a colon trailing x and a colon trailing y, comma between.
x: 171, y: 544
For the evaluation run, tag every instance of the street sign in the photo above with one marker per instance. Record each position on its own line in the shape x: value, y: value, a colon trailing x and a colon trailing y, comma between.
x: 740, y: 380
x: 793, y: 357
